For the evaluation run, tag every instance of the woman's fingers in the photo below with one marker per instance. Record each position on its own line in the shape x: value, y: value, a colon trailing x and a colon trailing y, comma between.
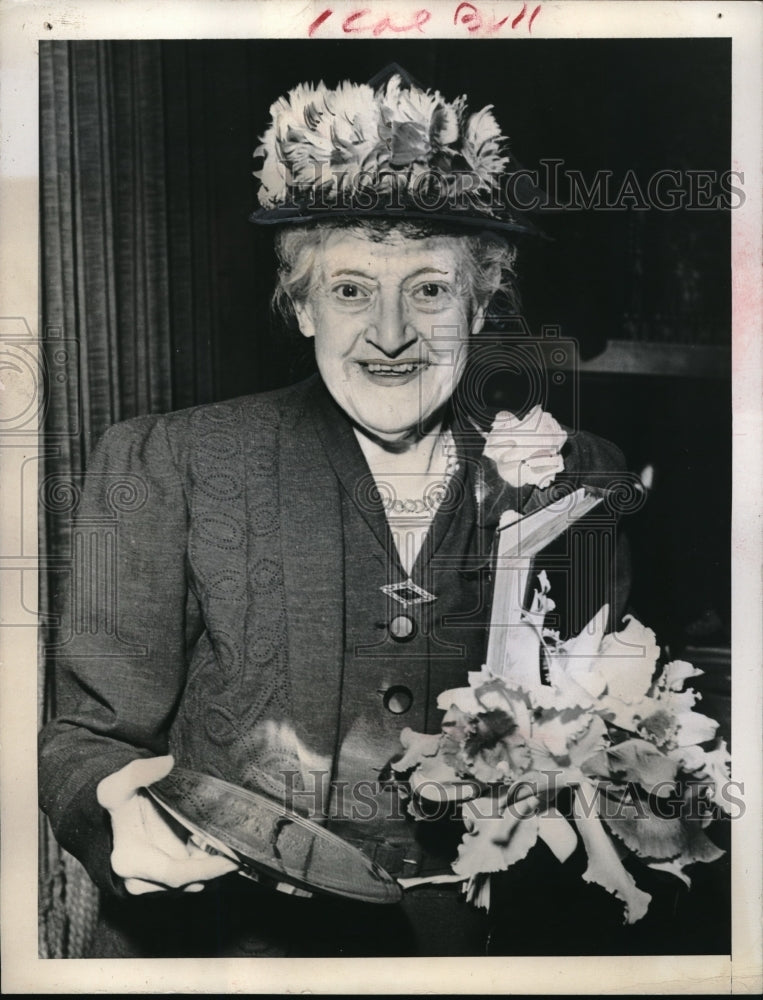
x: 148, y: 853
x: 137, y: 887
x: 149, y: 864
x: 177, y: 873
x: 146, y: 848
x: 117, y: 788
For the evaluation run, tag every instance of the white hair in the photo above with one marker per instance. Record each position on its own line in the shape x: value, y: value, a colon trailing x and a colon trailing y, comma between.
x: 488, y: 259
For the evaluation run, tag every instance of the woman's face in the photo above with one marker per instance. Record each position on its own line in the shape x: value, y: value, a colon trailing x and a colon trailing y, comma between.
x: 391, y: 323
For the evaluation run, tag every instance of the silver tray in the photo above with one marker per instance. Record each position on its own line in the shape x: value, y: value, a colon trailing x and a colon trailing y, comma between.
x: 266, y: 839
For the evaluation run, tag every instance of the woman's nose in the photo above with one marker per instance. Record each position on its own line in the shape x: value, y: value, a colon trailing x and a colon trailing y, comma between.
x: 389, y: 331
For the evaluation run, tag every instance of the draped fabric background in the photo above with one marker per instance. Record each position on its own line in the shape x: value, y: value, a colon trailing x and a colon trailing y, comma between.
x: 154, y: 287
x: 126, y: 298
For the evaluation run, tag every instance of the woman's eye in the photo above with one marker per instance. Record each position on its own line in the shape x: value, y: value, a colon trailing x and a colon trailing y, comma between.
x: 349, y: 292
x: 431, y: 293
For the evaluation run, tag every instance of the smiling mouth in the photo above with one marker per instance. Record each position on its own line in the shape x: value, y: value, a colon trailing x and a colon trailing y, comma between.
x: 393, y: 368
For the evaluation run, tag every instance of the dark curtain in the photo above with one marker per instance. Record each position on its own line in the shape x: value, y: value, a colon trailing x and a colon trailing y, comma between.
x: 127, y: 308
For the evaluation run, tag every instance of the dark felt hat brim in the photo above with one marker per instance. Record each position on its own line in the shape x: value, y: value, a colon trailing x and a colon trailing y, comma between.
x: 304, y: 215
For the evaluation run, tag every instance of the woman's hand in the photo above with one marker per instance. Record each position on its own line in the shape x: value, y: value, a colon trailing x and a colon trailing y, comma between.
x: 147, y: 853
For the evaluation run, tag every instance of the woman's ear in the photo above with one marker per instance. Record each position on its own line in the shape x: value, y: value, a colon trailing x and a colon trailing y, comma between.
x: 304, y: 315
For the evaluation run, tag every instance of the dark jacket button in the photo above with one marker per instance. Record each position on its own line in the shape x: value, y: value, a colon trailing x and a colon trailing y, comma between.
x: 398, y: 699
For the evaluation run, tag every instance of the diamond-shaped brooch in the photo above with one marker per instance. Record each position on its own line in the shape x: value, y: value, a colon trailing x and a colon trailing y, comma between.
x: 408, y: 593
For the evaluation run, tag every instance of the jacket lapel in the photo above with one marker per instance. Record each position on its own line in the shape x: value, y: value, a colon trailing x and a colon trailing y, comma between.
x: 313, y: 567
x: 343, y: 452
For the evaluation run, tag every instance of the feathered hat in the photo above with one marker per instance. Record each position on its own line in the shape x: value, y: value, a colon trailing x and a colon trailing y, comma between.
x: 387, y: 148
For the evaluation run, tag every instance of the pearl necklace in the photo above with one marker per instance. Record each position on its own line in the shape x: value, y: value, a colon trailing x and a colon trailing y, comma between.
x: 434, y: 494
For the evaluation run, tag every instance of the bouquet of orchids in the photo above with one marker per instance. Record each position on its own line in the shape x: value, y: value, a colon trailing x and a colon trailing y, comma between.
x: 644, y: 772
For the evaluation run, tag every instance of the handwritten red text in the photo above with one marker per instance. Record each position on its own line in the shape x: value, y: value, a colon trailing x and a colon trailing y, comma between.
x: 467, y: 15
x: 362, y: 22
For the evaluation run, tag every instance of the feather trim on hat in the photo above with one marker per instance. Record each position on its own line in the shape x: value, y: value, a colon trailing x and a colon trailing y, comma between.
x: 397, y: 139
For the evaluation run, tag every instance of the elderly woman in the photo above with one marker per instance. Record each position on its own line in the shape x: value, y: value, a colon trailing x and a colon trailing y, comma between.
x: 306, y: 570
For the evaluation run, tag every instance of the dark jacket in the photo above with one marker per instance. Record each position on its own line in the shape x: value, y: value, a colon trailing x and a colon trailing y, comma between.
x: 214, y: 625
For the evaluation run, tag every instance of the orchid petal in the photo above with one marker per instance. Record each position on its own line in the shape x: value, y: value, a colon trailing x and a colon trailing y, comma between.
x: 495, y: 694
x: 417, y: 746
x: 492, y: 844
x: 562, y: 692
x: 558, y: 731
x: 604, y: 866
x: 694, y: 728
x: 716, y: 773
x: 690, y: 759
x: 679, y: 701
x: 463, y: 699
x: 628, y: 672
x: 640, y: 761
x: 477, y: 890
x: 675, y: 673
x: 673, y: 867
x: 437, y: 782
x: 593, y: 740
x: 587, y: 642
x: 557, y: 834
x: 660, y: 838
